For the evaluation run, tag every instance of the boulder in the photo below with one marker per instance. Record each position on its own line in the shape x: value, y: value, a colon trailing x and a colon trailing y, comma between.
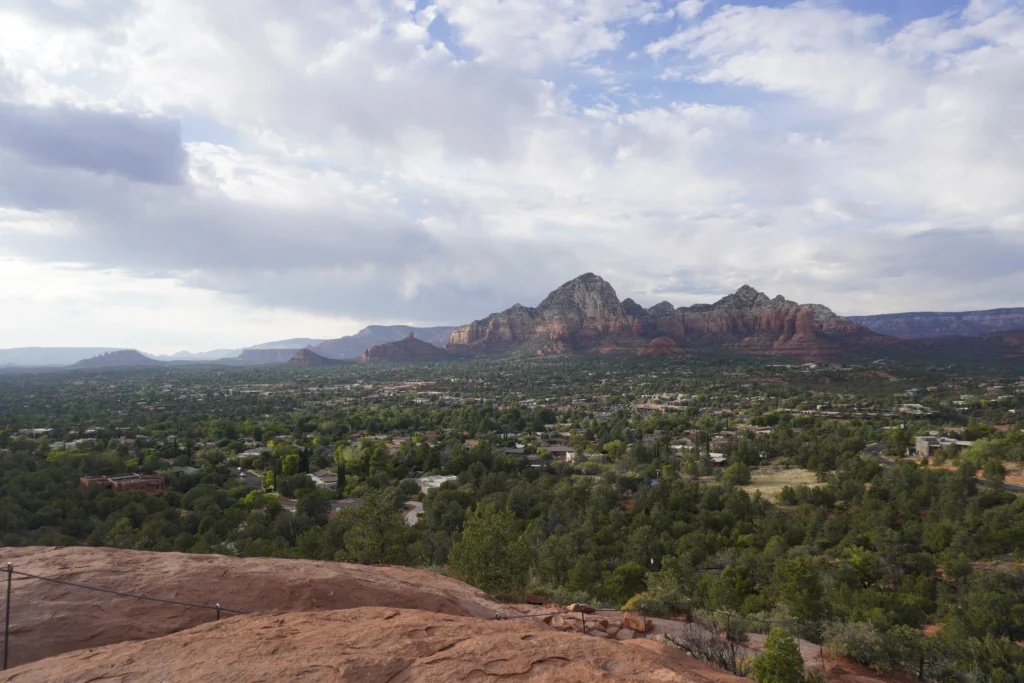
x: 636, y: 622
x: 581, y: 607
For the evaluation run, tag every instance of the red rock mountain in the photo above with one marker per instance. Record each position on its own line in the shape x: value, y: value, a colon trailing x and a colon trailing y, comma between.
x: 407, y: 350
x: 586, y: 314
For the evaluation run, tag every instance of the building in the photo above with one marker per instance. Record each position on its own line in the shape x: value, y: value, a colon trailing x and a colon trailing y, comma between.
x: 118, y: 483
x: 325, y: 479
x: 434, y: 481
x: 925, y: 446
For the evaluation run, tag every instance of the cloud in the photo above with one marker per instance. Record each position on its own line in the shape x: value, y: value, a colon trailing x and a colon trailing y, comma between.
x: 363, y: 168
x: 146, y: 149
x: 533, y: 33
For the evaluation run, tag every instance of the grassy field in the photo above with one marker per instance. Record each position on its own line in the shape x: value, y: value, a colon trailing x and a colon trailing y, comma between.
x: 770, y: 480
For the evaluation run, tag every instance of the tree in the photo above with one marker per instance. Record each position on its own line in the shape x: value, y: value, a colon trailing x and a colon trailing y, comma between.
x: 626, y: 581
x: 377, y: 532
x: 780, y: 661
x: 491, y: 554
x: 339, y: 465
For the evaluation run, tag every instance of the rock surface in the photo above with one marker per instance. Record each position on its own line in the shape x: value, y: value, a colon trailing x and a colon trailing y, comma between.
x: 407, y: 350
x: 586, y: 314
x: 372, y: 644
x: 48, y: 618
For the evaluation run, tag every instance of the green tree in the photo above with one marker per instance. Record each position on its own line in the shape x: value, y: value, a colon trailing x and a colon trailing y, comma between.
x: 780, y: 661
x: 491, y: 554
x: 377, y: 533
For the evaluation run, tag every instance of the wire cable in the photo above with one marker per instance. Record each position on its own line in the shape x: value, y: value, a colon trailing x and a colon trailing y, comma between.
x: 129, y: 595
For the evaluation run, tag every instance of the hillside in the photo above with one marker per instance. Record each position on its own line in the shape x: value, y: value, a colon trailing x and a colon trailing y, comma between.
x: 407, y: 350
x: 585, y: 314
x: 127, y: 358
x: 261, y: 356
x: 354, y: 345
x: 307, y: 357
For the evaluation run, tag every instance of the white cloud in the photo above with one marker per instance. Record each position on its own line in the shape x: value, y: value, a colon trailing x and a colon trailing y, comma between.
x: 533, y: 33
x: 76, y: 306
x: 358, y: 167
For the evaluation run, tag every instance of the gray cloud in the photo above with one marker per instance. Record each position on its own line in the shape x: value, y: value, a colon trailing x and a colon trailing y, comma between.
x: 142, y: 148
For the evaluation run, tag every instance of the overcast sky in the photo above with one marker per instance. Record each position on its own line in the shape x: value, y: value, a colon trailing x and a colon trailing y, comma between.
x: 188, y: 174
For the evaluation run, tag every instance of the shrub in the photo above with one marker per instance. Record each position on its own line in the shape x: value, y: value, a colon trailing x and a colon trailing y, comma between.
x: 780, y: 662
x: 859, y: 642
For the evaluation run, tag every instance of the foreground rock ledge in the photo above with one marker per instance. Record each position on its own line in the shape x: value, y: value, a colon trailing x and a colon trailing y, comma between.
x: 371, y: 644
x: 49, y: 619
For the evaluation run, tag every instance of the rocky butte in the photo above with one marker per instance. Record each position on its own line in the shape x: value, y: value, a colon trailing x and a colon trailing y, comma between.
x: 307, y: 357
x: 585, y: 314
x: 407, y: 350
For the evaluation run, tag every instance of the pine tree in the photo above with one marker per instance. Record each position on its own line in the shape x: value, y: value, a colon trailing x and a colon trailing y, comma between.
x: 780, y: 662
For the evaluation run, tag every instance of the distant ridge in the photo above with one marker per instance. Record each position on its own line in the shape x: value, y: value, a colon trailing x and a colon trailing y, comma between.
x: 925, y: 325
x: 50, y: 355
x: 353, y: 345
x: 127, y: 358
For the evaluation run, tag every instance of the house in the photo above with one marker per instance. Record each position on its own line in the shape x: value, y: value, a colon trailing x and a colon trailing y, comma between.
x: 434, y: 481
x: 325, y: 479
x: 560, y: 452
x: 153, y: 485
x: 718, y: 459
x: 925, y: 446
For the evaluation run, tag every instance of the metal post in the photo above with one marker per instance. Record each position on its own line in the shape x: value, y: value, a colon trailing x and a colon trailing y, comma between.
x: 583, y: 616
x: 643, y: 617
x: 218, y: 612
x: 7, y: 613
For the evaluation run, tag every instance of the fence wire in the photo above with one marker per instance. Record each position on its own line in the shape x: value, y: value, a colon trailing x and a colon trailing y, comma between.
x: 11, y: 573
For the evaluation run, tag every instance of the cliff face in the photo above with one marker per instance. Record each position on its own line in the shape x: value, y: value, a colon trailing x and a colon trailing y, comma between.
x: 577, y: 316
x: 408, y: 350
x: 927, y: 325
x: 586, y: 314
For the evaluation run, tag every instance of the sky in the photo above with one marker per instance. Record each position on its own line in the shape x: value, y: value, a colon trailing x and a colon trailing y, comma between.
x: 187, y: 175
